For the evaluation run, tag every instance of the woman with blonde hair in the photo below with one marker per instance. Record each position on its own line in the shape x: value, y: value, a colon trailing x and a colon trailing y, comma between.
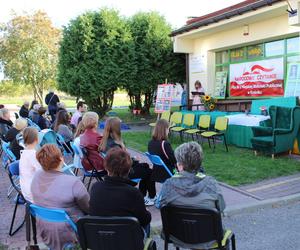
x: 112, y: 138
x: 160, y: 146
x: 11, y: 136
x: 90, y: 140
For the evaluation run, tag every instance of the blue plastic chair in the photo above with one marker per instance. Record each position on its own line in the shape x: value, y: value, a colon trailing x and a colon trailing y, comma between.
x: 63, y: 145
x: 156, y: 160
x: 86, y: 174
x: 13, y: 174
x: 33, y: 124
x: 52, y: 215
x: 8, y: 153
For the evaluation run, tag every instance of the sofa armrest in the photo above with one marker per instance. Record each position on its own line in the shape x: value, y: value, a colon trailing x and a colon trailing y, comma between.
x: 262, y: 131
x: 280, y: 131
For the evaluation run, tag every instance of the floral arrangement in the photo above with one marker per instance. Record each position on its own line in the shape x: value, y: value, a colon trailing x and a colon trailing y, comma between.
x: 209, y: 102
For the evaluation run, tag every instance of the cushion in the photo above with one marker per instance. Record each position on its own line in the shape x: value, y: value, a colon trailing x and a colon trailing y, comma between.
x: 265, y: 141
x: 209, y: 133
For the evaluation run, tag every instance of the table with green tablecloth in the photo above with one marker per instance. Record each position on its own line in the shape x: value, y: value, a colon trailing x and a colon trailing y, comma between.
x: 238, y: 135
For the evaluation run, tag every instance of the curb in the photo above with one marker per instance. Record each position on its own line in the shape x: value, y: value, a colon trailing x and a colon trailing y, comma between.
x: 269, y: 203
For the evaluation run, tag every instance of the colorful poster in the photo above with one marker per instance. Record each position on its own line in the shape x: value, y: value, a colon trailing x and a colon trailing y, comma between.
x: 177, y: 93
x: 163, y: 98
x: 292, y: 86
x: 259, y: 78
x: 221, y: 82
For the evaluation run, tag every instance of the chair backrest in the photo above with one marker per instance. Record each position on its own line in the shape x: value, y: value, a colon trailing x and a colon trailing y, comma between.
x: 166, y: 115
x: 110, y: 233
x: 221, y: 123
x: 8, y: 153
x: 47, y: 136
x: 156, y: 160
x: 281, y: 117
x: 13, y: 171
x: 51, y: 215
x: 33, y: 124
x: 188, y: 120
x: 204, y: 121
x: 192, y: 225
x: 176, y: 118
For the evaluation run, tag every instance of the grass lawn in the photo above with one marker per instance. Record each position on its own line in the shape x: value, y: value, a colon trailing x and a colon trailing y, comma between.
x: 238, y: 166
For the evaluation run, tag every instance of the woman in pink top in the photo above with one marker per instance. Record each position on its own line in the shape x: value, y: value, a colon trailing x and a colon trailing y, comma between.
x: 28, y: 163
x: 197, y: 98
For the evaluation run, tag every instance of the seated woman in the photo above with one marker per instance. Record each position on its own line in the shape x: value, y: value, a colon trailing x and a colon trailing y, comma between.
x: 116, y: 195
x: 11, y: 136
x: 90, y: 140
x: 80, y: 130
x: 190, y: 187
x: 160, y: 146
x: 28, y: 162
x: 112, y: 138
x: 31, y: 110
x: 51, y: 188
x: 62, y: 126
x: 43, y: 123
x: 5, y: 122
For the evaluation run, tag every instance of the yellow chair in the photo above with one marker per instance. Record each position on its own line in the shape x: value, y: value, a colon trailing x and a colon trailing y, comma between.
x: 203, y: 125
x: 219, y: 131
x: 175, y: 119
x: 188, y: 122
x: 164, y: 115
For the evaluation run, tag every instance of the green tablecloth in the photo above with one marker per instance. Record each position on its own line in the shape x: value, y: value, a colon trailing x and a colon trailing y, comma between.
x: 239, y: 136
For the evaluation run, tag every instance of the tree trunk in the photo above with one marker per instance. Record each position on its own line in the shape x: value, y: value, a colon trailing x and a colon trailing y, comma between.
x: 147, y: 102
x: 102, y: 103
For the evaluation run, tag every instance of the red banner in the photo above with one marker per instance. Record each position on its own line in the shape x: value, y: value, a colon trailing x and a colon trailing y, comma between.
x: 260, y: 78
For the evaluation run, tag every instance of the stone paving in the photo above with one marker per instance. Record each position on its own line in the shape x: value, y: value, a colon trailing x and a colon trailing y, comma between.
x: 233, y: 196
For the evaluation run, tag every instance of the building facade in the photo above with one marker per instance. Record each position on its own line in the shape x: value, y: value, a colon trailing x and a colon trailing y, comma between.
x: 249, y: 50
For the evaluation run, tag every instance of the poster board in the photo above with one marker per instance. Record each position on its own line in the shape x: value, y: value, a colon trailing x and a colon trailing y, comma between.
x: 292, y: 86
x: 220, y: 86
x: 164, y: 96
x: 257, y: 79
x: 197, y: 64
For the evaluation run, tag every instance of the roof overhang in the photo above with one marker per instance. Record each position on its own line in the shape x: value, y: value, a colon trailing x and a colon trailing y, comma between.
x: 207, y: 26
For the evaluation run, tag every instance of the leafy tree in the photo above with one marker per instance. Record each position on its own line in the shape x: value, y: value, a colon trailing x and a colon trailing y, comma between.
x: 94, y: 58
x: 28, y: 51
x: 154, y: 58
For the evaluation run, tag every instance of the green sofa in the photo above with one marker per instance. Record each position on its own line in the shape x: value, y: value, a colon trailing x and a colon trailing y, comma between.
x: 280, y: 135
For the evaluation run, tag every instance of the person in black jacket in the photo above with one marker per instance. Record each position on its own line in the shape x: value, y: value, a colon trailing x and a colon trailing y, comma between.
x: 11, y: 136
x: 51, y: 100
x: 161, y: 147
x: 112, y: 138
x: 116, y: 195
x: 5, y: 122
x: 42, y: 122
x: 24, y: 111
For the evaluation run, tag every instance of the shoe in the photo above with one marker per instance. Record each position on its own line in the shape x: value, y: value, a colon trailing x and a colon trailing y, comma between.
x: 148, y: 201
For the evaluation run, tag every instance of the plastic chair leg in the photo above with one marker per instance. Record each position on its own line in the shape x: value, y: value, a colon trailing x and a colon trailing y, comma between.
x: 166, y: 245
x: 11, y: 232
x: 90, y: 180
x: 233, y: 247
x: 225, y: 143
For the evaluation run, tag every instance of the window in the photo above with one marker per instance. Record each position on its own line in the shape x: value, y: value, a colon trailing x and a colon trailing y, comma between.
x: 275, y: 48
x: 237, y: 55
x: 255, y: 51
x: 293, y: 59
x: 293, y: 45
x: 222, y: 57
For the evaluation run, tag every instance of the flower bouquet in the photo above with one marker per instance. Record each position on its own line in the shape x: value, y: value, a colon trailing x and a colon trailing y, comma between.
x: 209, y: 102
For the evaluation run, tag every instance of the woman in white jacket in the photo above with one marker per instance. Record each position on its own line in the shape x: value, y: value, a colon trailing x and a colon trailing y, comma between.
x: 28, y: 163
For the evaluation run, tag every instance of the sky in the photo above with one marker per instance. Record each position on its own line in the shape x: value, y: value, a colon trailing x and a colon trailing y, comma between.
x: 61, y: 12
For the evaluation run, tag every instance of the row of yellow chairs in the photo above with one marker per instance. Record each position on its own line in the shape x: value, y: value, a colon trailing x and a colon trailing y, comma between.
x: 186, y: 126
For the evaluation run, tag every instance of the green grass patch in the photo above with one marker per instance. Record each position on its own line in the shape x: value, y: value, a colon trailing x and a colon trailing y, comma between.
x: 238, y: 166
